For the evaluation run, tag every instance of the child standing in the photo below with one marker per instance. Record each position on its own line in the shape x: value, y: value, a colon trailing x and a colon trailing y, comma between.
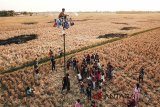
x: 81, y: 87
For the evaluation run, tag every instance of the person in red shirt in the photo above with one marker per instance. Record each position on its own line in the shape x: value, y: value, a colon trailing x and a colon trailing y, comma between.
x: 98, y: 95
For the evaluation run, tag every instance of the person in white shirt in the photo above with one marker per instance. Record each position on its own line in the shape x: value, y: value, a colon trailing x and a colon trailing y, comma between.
x: 99, y: 65
x: 102, y: 77
x: 79, y: 76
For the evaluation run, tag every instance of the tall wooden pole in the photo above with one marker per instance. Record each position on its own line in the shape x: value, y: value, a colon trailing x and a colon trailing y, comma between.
x: 64, y: 54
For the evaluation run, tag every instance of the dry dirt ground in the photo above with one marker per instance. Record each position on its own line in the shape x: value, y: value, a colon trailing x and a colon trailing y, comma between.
x: 127, y: 56
x: 88, y: 27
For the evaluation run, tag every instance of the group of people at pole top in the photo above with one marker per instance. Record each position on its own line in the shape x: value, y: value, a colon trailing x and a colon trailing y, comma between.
x: 63, y: 20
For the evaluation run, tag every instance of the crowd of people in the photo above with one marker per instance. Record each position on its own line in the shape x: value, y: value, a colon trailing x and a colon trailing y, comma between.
x: 92, y: 76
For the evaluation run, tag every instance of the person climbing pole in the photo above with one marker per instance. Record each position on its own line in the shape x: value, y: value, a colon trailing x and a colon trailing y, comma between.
x: 62, y: 14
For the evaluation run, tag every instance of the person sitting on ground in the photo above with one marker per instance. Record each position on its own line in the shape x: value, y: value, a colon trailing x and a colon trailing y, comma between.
x: 29, y: 91
x: 78, y: 103
x: 141, y: 75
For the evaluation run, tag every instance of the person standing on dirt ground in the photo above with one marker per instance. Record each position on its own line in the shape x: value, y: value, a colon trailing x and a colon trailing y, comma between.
x: 94, y: 81
x: 81, y: 87
x: 136, y: 94
x: 35, y: 64
x: 68, y: 64
x: 53, y: 63
x: 97, y: 57
x: 50, y: 53
x: 66, y: 82
x: 79, y: 77
x: 36, y: 77
x: 92, y: 58
x: 78, y: 103
x: 74, y: 64
x: 60, y: 51
x: 93, y: 104
x: 141, y: 75
x: 89, y: 92
x: 109, y: 69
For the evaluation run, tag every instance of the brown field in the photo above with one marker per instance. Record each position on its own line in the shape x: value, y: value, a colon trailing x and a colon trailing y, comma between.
x: 127, y: 56
x: 88, y: 26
